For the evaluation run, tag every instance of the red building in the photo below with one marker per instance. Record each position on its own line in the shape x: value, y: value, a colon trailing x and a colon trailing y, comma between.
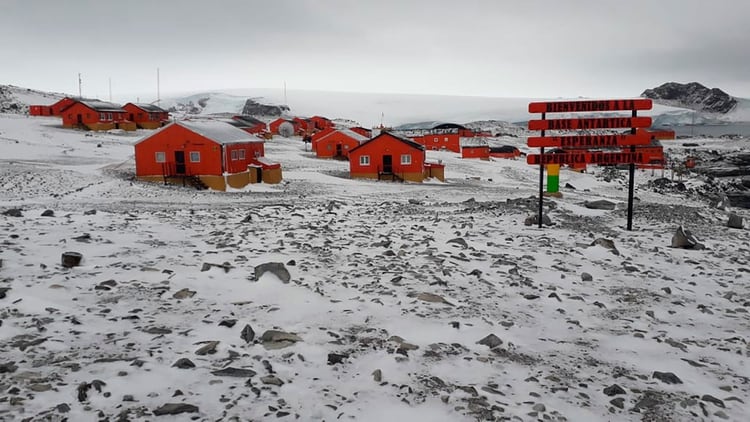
x: 437, y: 136
x: 96, y: 115
x: 505, y: 151
x: 320, y: 123
x: 392, y: 157
x: 146, y: 116
x: 215, y: 153
x: 367, y: 133
x: 249, y: 124
x: 337, y: 143
x: 276, y: 126
x: 54, y: 109
x: 475, y: 148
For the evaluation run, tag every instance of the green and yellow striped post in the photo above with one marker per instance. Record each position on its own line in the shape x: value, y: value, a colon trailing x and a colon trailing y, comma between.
x: 553, y: 178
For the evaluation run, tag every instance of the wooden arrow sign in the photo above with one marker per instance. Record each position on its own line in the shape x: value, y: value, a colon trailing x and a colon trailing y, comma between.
x: 590, y: 123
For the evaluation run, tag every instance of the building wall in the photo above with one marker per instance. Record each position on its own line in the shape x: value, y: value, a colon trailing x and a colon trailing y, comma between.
x: 252, y: 150
x: 438, y: 142
x: 273, y: 127
x: 381, y: 146
x: 326, y: 147
x: 88, y: 116
x: 367, y: 133
x: 481, y: 152
x: 40, y: 110
x: 60, y: 106
x: 177, y: 138
x: 144, y: 118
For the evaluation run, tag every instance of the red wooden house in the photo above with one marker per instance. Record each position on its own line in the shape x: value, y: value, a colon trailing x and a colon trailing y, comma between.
x: 54, y: 109
x: 392, y: 157
x: 96, y: 115
x: 337, y: 143
x: 275, y: 126
x: 475, y: 148
x: 249, y: 124
x: 362, y: 131
x: 320, y: 123
x: 317, y: 135
x: 146, y: 116
x: 213, y: 153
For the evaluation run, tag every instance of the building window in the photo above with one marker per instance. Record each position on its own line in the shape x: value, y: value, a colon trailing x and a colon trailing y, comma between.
x: 241, y: 154
x: 234, y: 155
x: 161, y: 157
x: 435, y: 139
x: 364, y: 160
x: 406, y: 159
x: 195, y: 157
x: 102, y: 116
x: 446, y: 139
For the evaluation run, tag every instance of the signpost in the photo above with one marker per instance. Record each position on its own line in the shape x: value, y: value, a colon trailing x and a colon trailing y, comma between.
x: 623, y: 148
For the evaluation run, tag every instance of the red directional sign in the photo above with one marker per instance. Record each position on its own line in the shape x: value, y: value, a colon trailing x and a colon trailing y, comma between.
x: 590, y: 106
x: 586, y: 157
x: 590, y: 123
x: 589, y: 141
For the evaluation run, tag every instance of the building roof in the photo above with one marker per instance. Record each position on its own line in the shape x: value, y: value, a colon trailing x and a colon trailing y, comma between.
x: 249, y: 120
x: 102, y: 106
x: 393, y: 135
x: 350, y: 133
x: 473, y: 142
x: 151, y: 108
x: 220, y: 132
x: 429, y: 126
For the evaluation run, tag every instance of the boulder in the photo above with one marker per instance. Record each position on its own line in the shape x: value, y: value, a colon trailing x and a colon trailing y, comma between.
x: 601, y: 204
x: 735, y: 221
x: 607, y: 244
x: 683, y: 239
x: 48, y: 213
x: 276, y: 268
x: 13, y: 212
x: 71, y: 259
x: 175, y: 409
x: 533, y: 220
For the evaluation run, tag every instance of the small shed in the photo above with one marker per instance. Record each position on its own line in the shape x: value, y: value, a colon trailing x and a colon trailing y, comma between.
x: 392, y: 157
x: 96, y: 115
x: 274, y: 126
x: 337, y: 143
x: 475, y: 148
x: 505, y: 151
x: 54, y: 109
x: 146, y: 116
x: 208, y: 152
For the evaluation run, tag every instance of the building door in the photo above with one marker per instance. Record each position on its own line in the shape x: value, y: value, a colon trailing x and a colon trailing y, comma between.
x: 80, y: 120
x: 131, y: 117
x: 339, y: 153
x: 179, y: 162
x: 387, y: 164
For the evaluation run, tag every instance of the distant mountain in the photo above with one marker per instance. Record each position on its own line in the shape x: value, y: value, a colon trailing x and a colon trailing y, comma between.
x: 693, y: 96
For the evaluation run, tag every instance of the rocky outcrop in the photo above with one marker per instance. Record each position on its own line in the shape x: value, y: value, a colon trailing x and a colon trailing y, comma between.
x: 693, y: 96
x: 254, y: 108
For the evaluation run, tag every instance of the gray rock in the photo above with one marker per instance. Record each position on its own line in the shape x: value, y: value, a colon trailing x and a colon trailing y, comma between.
x: 618, y: 402
x: 13, y: 212
x: 272, y: 380
x: 89, y: 212
x: 184, y: 293
x: 735, y: 221
x: 601, y: 204
x: 539, y: 407
x: 247, y: 334
x: 48, y: 213
x: 606, y: 244
x: 377, y: 375
x: 8, y: 367
x: 460, y: 242
x: 208, y: 349
x: 432, y: 298
x: 667, y: 377
x: 226, y: 266
x: 274, y: 339
x: 586, y: 277
x: 183, y: 363
x: 533, y: 220
x: 614, y: 390
x: 711, y: 399
x: 234, y: 372
x: 276, y: 268
x: 684, y: 239
x: 71, y: 259
x: 175, y: 409
x: 229, y: 323
x: 722, y: 203
x: 334, y: 358
x: 3, y: 292
x: 491, y: 341
x: 128, y: 397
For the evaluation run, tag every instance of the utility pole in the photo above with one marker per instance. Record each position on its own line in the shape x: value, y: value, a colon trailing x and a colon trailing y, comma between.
x: 110, y: 90
x: 79, y: 86
x: 285, y: 102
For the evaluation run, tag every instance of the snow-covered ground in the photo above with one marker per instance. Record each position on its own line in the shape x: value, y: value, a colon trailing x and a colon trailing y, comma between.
x: 392, y: 286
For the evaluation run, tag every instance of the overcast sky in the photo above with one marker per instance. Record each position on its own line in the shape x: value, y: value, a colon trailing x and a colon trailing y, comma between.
x: 521, y: 48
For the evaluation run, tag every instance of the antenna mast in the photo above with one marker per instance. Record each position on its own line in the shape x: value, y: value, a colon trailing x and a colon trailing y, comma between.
x: 285, y: 102
x: 79, y: 86
x: 110, y: 90
x: 158, y: 92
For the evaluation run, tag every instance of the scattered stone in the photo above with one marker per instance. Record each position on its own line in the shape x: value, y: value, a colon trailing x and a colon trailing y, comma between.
x: 667, y: 377
x: 460, y: 242
x: 533, y: 220
x: 735, y: 221
x: 432, y: 298
x: 722, y: 203
x: 229, y: 323
x: 601, y: 204
x: 208, y: 348
x: 247, y: 334
x: 272, y: 380
x: 377, y: 375
x: 491, y: 341
x: 276, y: 268
x: 6, y: 368
x: 606, y: 244
x: 175, y: 409
x: 226, y: 266
x: 128, y: 397
x: 71, y: 259
x: 539, y: 407
x: 63, y: 408
x: 274, y: 339
x: 13, y: 212
x: 614, y: 390
x: 184, y: 293
x: 183, y: 363
x: 48, y: 213
x: 89, y: 212
x: 334, y: 358
x: 234, y: 372
x: 684, y: 239
x: 618, y: 402
x: 586, y: 277
x: 3, y: 292
x: 711, y: 399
